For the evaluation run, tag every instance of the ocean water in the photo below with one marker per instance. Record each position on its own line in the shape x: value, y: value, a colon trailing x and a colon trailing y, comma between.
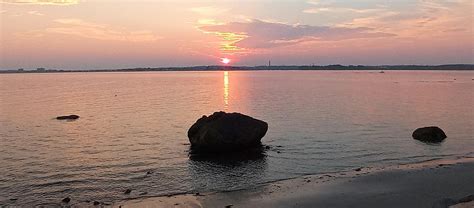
x: 134, y: 123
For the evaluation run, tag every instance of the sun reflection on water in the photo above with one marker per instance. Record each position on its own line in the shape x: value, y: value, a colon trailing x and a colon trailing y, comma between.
x: 226, y: 89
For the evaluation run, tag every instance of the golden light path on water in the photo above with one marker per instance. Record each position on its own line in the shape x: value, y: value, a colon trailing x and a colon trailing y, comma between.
x: 226, y: 89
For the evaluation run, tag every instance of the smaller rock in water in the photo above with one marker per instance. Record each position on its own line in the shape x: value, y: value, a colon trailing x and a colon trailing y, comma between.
x: 66, y: 200
x: 432, y: 134
x: 70, y: 117
x: 96, y: 203
x: 229, y: 206
x: 128, y: 191
x: 358, y: 169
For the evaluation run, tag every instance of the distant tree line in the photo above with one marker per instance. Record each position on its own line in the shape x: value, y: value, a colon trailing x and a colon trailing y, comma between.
x: 250, y: 68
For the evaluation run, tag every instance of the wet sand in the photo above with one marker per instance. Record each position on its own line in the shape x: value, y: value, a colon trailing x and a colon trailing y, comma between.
x: 437, y: 183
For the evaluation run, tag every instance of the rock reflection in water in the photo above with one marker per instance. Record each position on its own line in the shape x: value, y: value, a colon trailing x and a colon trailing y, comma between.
x: 230, y: 171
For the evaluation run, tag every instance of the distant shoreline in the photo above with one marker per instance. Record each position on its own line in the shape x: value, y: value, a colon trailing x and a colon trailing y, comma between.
x: 450, y: 67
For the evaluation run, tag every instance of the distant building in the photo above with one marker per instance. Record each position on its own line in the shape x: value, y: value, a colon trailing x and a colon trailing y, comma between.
x: 40, y: 69
x: 21, y: 70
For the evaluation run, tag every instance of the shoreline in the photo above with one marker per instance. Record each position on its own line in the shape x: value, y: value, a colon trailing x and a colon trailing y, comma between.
x: 211, y: 68
x: 433, y: 183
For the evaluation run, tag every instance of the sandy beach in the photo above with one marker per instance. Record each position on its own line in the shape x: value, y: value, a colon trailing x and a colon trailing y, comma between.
x: 437, y: 183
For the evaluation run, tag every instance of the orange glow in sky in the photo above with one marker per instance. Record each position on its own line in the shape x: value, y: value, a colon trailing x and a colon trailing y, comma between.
x: 100, y: 34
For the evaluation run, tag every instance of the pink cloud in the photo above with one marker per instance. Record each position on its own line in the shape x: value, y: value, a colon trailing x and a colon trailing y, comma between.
x: 261, y: 34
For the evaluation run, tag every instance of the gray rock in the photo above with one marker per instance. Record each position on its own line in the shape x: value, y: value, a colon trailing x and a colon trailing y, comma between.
x: 66, y: 200
x: 222, y: 132
x: 431, y: 134
x: 70, y: 117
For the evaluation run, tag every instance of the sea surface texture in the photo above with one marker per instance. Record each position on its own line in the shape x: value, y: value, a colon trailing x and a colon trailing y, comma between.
x: 132, y: 130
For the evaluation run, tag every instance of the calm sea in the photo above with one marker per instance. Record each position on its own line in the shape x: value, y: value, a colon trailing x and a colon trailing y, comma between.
x: 134, y: 123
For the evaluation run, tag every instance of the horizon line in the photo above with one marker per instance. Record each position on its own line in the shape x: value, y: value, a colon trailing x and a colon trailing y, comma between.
x: 239, y: 66
x: 458, y: 66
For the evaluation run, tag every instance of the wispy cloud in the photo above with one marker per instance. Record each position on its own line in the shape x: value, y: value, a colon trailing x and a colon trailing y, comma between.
x: 425, y: 18
x: 208, y: 11
x: 40, y: 2
x: 257, y: 34
x: 35, y: 13
x: 314, y: 2
x: 208, y: 21
x: 317, y: 7
x: 340, y: 10
x: 81, y: 28
x: 315, y: 10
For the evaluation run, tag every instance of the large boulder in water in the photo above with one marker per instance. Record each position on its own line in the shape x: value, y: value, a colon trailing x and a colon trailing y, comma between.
x: 223, y: 131
x: 429, y: 134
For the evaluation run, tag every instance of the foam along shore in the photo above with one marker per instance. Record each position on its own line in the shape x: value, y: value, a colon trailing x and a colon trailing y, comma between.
x: 437, y: 183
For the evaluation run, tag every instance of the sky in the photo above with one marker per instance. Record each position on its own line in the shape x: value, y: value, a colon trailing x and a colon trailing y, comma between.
x: 110, y: 34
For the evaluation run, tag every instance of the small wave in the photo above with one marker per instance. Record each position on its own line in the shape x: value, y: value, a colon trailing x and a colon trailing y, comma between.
x: 63, y: 183
x: 371, y: 154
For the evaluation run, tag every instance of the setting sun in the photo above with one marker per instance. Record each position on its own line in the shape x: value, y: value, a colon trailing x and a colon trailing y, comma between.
x: 225, y: 60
